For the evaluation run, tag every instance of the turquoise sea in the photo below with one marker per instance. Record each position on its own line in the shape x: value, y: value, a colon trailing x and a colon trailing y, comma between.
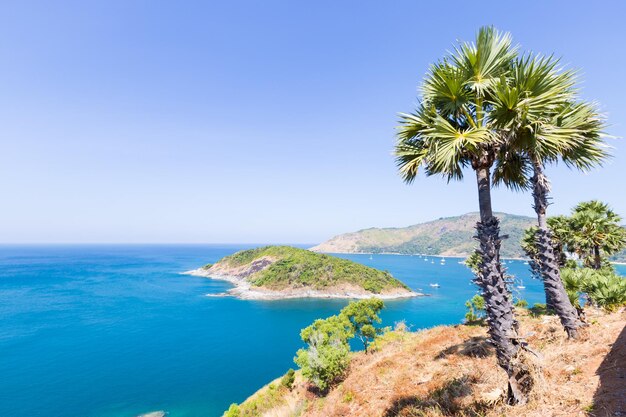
x: 116, y: 330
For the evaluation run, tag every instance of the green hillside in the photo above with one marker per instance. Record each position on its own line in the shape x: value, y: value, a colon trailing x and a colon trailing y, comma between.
x: 285, y: 267
x: 448, y: 236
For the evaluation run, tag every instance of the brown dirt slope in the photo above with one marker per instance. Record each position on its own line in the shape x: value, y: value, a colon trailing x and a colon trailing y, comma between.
x: 452, y: 371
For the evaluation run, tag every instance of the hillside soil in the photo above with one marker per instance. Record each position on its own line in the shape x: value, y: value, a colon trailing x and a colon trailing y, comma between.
x: 452, y: 371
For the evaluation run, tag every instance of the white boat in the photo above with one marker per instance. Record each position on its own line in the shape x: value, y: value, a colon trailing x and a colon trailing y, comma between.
x: 434, y: 285
x: 521, y: 285
x: 371, y: 257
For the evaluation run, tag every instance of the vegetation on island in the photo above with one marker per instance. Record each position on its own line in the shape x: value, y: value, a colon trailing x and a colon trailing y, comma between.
x: 448, y: 236
x: 289, y: 268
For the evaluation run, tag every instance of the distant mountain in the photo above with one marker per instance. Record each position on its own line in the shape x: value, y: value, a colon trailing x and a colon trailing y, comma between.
x: 447, y: 236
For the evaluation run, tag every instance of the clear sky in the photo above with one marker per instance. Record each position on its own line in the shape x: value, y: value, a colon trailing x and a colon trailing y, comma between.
x: 257, y: 121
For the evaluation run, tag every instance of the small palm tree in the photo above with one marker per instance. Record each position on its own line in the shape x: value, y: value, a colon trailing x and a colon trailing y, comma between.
x: 560, y: 233
x: 542, y: 124
x: 596, y: 232
x: 452, y: 129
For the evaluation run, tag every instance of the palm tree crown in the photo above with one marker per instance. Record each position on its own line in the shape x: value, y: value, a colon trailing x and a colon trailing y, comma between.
x: 451, y: 128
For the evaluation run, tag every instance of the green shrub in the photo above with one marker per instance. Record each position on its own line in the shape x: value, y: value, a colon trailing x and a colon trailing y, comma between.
x: 326, y: 357
x: 475, y: 310
x: 473, y: 262
x: 288, y: 379
x: 362, y: 315
x: 607, y: 291
x: 233, y: 411
x: 521, y: 303
x: 603, y: 287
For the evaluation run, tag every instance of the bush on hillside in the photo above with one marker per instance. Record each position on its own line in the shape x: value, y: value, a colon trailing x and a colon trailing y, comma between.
x: 475, y: 310
x: 603, y: 287
x: 362, y: 315
x: 288, y: 379
x: 326, y: 357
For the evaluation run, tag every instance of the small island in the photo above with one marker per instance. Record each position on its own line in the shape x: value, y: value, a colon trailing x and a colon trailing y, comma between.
x: 278, y: 272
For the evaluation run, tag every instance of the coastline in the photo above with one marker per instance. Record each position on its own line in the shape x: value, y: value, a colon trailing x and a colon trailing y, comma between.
x: 414, y: 254
x: 243, y: 290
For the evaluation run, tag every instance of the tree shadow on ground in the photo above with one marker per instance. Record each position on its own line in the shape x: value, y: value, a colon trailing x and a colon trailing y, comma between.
x: 610, y: 397
x: 476, y: 347
x: 446, y: 400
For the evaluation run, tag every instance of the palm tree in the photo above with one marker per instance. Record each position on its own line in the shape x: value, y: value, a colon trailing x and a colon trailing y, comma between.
x: 536, y: 108
x: 560, y: 233
x: 597, y: 232
x: 452, y: 129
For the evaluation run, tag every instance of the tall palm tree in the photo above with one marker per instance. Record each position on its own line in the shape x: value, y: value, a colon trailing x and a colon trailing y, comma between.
x: 536, y: 108
x: 452, y: 129
x: 597, y: 232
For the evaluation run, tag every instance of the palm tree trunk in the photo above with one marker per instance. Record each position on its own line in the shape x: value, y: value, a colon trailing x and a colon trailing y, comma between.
x: 498, y: 303
x: 548, y: 262
x: 597, y: 260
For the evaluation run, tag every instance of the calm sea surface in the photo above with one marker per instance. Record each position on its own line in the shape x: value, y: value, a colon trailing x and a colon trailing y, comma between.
x: 109, y: 331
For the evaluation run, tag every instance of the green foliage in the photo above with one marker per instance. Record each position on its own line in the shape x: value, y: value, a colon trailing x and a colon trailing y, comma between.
x: 574, y: 282
x: 608, y: 291
x: 233, y: 411
x: 288, y: 379
x: 596, y: 233
x: 362, y: 315
x: 561, y: 233
x: 538, y: 309
x: 293, y: 268
x: 260, y: 403
x: 448, y: 234
x: 326, y: 357
x: 592, y: 233
x: 603, y: 287
x: 475, y: 310
x: 473, y: 262
x: 521, y: 303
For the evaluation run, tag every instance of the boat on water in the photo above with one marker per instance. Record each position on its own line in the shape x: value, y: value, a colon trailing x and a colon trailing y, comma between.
x: 371, y: 257
x: 434, y: 285
x: 521, y: 285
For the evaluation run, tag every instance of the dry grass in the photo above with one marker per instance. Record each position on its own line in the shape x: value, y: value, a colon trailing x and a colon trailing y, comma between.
x: 452, y: 371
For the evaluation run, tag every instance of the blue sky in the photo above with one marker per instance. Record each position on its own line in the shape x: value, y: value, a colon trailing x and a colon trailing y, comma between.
x: 257, y: 121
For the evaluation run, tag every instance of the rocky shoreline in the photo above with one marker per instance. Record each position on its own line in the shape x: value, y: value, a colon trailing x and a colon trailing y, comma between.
x: 245, y: 291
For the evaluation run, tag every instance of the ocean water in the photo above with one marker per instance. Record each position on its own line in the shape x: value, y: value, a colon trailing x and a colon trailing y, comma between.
x: 104, y: 331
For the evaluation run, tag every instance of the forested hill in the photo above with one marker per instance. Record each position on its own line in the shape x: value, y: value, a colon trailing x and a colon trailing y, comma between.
x: 293, y: 271
x: 448, y: 236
